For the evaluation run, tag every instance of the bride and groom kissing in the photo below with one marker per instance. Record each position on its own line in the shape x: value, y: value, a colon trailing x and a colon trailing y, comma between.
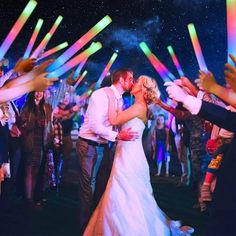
x: 114, y: 179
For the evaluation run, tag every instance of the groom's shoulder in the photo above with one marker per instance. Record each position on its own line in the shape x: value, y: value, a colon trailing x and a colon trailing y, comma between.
x: 99, y: 92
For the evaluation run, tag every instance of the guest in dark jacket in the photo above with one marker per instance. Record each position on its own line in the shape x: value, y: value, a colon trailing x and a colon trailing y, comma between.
x: 36, y: 127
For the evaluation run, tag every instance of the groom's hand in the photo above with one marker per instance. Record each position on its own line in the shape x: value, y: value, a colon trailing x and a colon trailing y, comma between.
x: 127, y: 135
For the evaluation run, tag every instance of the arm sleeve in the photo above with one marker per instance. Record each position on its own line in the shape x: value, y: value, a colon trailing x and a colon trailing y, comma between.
x: 218, y: 115
x: 5, y: 77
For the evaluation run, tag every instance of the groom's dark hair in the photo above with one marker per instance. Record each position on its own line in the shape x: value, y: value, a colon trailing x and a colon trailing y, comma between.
x: 120, y: 73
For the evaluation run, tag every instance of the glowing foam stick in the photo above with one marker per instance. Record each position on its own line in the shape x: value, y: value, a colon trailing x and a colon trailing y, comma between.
x: 47, y: 37
x: 80, y: 43
x: 33, y: 38
x: 164, y: 69
x: 160, y: 68
x: 76, y: 60
x: 231, y: 28
x: 105, y: 71
x: 15, y: 30
x: 176, y: 61
x: 197, y: 48
x: 80, y: 79
x: 86, y: 94
x: 53, y: 50
x: 79, y: 68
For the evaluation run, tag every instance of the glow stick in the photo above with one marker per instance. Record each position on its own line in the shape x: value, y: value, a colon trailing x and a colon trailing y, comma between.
x: 53, y: 50
x: 86, y: 94
x: 197, y: 48
x: 231, y: 28
x: 106, y: 69
x: 175, y: 61
x: 33, y: 38
x: 156, y: 63
x: 80, y: 43
x: 79, y: 68
x: 15, y: 30
x: 76, y: 60
x: 80, y: 79
x: 47, y: 37
x: 164, y: 69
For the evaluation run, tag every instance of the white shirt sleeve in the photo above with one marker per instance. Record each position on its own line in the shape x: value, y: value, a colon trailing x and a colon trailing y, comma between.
x: 6, y: 77
x: 200, y: 94
x: 98, y: 116
x: 192, y: 104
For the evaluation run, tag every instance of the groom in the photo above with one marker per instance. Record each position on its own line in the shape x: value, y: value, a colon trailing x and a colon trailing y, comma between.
x: 95, y: 156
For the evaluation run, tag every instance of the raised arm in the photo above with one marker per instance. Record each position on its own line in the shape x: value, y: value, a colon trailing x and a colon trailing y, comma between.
x: 209, y: 83
x: 120, y: 117
x: 179, y: 114
x: 27, y: 66
x: 208, y: 111
x: 40, y: 83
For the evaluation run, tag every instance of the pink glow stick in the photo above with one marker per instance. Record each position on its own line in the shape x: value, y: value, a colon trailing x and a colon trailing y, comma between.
x: 47, y: 38
x: 33, y: 38
x: 80, y: 79
x: 231, y: 28
x: 15, y: 30
x: 197, y: 48
x: 80, y: 43
x: 53, y: 50
x: 76, y: 60
x: 106, y: 69
x: 175, y: 61
x: 79, y: 68
x: 156, y: 63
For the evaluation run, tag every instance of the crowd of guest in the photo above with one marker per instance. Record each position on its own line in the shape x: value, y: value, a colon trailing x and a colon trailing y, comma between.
x: 36, y: 143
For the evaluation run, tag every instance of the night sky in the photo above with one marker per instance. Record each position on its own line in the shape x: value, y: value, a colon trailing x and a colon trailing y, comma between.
x: 157, y: 22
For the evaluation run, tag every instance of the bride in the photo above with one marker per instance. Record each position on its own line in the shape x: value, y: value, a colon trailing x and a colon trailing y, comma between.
x: 127, y: 206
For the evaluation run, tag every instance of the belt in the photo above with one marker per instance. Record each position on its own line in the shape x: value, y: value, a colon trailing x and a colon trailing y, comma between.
x: 93, y: 143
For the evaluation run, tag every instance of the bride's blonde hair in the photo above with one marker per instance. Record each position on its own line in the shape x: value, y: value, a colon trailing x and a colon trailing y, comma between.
x: 150, y: 88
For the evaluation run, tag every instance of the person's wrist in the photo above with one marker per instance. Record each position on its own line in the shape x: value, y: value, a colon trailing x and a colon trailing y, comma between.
x: 214, y: 89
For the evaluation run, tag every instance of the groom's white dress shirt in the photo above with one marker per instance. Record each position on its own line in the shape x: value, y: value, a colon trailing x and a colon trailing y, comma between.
x: 96, y: 126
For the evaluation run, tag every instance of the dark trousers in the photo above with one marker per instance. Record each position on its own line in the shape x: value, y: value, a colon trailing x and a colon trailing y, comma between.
x: 222, y: 219
x: 16, y: 165
x: 95, y: 165
x: 66, y: 152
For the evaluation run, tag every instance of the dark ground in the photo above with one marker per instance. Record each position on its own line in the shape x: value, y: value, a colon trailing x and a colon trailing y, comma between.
x: 59, y: 215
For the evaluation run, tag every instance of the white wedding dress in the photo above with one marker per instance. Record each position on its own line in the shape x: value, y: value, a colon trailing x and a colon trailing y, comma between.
x: 127, y: 206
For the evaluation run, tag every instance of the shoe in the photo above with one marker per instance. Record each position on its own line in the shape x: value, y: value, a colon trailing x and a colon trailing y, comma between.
x: 206, y: 193
x: 38, y: 204
x: 187, y: 230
